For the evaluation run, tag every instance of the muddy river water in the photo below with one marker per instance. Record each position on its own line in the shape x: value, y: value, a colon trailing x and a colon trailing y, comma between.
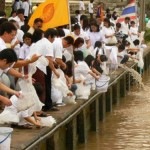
x: 128, y: 126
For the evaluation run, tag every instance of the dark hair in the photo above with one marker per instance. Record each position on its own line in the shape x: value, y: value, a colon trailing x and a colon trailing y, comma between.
x: 2, y: 13
x: 38, y: 88
x: 127, y: 18
x: 50, y: 32
x: 8, y: 54
x: 27, y: 35
x: 2, y: 20
x: 103, y: 58
x: 77, y: 12
x: 60, y: 32
x: 108, y: 21
x: 132, y: 22
x: 69, y: 40
x: 76, y: 27
x: 20, y: 11
x: 85, y: 20
x: 89, y: 59
x: 78, y: 56
x: 68, y: 70
x: 38, y: 20
x: 118, y: 25
x: 37, y: 35
x: 94, y: 24
x: 121, y: 47
x: 78, y: 41
x: 7, y: 27
x: 98, y: 44
x: 136, y: 42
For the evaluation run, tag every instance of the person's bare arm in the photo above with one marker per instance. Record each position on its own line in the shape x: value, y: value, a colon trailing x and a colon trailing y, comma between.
x: 5, y: 100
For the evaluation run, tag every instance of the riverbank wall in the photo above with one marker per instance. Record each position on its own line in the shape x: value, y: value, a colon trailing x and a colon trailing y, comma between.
x: 75, y: 121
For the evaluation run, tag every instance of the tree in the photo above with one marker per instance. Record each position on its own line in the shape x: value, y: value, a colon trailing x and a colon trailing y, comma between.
x: 2, y: 4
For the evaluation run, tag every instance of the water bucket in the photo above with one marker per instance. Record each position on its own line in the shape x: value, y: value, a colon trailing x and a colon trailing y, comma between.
x: 102, y: 83
x: 5, y: 138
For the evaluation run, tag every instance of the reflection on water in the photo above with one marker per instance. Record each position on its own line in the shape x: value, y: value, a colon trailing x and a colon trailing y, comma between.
x: 128, y: 126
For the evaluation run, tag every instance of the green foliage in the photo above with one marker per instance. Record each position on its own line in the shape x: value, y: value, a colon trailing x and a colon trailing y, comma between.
x: 147, y: 35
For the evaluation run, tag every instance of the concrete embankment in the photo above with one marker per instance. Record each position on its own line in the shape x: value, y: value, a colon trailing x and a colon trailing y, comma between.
x: 74, y: 121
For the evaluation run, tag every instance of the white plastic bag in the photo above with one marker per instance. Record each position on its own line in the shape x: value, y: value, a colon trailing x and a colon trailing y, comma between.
x: 70, y: 99
x: 47, y: 121
x: 102, y: 83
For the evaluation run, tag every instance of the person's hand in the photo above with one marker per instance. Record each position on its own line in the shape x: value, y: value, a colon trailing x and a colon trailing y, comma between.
x: 38, y: 124
x: 34, y: 58
x: 57, y: 74
x: 6, y: 101
x: 70, y: 94
x: 97, y: 77
x: 17, y: 93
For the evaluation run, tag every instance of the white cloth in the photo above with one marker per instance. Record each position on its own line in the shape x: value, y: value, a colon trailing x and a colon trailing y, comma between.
x: 24, y: 51
x: 21, y: 23
x: 90, y: 8
x: 94, y: 36
x: 43, y: 47
x: 107, y: 32
x: 125, y: 28
x: 58, y: 48
x: 133, y: 31
x: 81, y: 5
x: 25, y: 6
x: 2, y: 44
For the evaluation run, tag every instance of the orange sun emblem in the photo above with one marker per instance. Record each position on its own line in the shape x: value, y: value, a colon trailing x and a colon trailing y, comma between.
x: 48, y: 13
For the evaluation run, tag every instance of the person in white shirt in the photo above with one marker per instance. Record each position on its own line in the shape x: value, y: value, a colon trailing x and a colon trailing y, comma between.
x: 20, y: 17
x: 67, y: 43
x: 25, y: 49
x: 26, y: 7
x: 77, y: 32
x: 125, y: 26
x: 94, y: 33
x: 90, y: 8
x: 44, y: 47
x: 58, y: 48
x: 134, y: 34
x: 16, y: 42
x: 81, y: 6
x: 7, y: 59
x: 38, y: 22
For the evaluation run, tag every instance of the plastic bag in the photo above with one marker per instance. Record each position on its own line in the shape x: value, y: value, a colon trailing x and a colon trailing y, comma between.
x: 47, y: 121
x: 9, y: 115
x: 70, y: 99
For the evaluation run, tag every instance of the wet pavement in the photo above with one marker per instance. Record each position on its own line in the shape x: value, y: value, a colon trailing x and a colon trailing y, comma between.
x: 128, y: 126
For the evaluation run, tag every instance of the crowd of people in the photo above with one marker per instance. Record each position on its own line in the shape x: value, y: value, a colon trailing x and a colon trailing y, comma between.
x: 65, y: 64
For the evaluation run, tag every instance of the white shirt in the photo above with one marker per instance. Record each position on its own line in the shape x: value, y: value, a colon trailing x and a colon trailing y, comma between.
x: 90, y: 7
x: 25, y: 6
x: 24, y: 51
x: 43, y: 47
x: 2, y: 44
x: 58, y: 48
x: 106, y: 32
x: 134, y: 30
x: 21, y: 23
x: 83, y: 35
x: 81, y: 69
x: 95, y: 36
x: 81, y: 5
x: 125, y: 28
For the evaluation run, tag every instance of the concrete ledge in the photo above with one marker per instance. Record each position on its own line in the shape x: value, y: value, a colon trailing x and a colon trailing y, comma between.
x: 74, y: 121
